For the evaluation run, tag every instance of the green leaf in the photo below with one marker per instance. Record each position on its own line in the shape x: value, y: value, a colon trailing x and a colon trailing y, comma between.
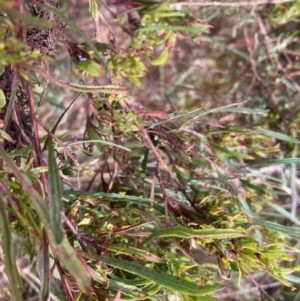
x: 116, y: 197
x: 5, y: 136
x: 190, y: 29
x: 179, y: 231
x: 98, y: 141
x: 230, y: 152
x: 135, y: 252
x: 25, y: 150
x: 285, y: 213
x: 135, y: 81
x: 158, y: 60
x: 239, y: 52
x: 11, y: 269
x: 56, y: 294
x: 198, y: 113
x: 54, y: 195
x: 278, y: 136
x: 93, y: 8
x: 2, y: 99
x: 202, y: 298
x: 43, y: 268
x: 252, y: 186
x: 68, y: 257
x: 294, y: 231
x: 110, y: 89
x: 58, y: 122
x: 166, y: 280
x: 37, y: 200
x: 276, y: 161
x: 89, y: 67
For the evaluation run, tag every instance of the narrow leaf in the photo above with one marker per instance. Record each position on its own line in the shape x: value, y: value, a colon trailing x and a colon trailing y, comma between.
x: 179, y: 231
x: 97, y: 140
x: 135, y: 252
x: 114, y: 196
x: 285, y: 213
x: 278, y: 136
x: 9, y: 258
x: 68, y: 257
x: 93, y: 8
x: 230, y: 152
x: 110, y: 89
x: 2, y: 99
x: 276, y: 161
x: 294, y: 231
x: 190, y: 29
x: 239, y: 52
x: 37, y: 200
x: 252, y: 186
x: 64, y: 250
x: 56, y: 294
x: 166, y: 280
x: 43, y: 268
x: 54, y: 195
x: 58, y: 121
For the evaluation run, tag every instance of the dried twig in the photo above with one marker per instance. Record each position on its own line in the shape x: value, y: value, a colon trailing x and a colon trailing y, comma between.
x: 252, y: 61
x: 36, y: 140
x: 149, y: 144
x: 269, y: 45
x: 164, y: 193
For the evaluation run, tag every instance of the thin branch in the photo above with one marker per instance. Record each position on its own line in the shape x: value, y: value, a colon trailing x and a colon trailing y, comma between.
x: 114, y: 176
x: 246, y: 291
x: 150, y: 145
x: 164, y: 193
x: 45, y: 86
x: 36, y: 140
x: 70, y: 155
x: 65, y: 284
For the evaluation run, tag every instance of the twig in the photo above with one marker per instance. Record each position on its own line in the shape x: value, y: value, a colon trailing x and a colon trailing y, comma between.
x: 45, y: 83
x: 150, y: 145
x: 114, y: 176
x: 75, y: 232
x: 111, y: 32
x: 16, y: 120
x: 246, y: 291
x: 92, y: 181
x: 71, y: 156
x: 255, y: 77
x: 12, y: 90
x: 64, y: 281
x: 164, y: 193
x: 269, y: 46
x: 257, y: 285
x: 36, y: 141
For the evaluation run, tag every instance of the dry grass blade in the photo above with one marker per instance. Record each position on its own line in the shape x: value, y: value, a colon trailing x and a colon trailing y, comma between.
x: 234, y: 3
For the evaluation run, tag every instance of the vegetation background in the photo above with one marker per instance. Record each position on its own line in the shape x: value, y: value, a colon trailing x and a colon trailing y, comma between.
x: 149, y: 150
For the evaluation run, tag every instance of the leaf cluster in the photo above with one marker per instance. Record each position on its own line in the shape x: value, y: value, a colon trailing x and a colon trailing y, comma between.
x: 173, y: 199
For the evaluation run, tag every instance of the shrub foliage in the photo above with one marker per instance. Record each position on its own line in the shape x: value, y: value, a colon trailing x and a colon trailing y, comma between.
x: 146, y: 204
